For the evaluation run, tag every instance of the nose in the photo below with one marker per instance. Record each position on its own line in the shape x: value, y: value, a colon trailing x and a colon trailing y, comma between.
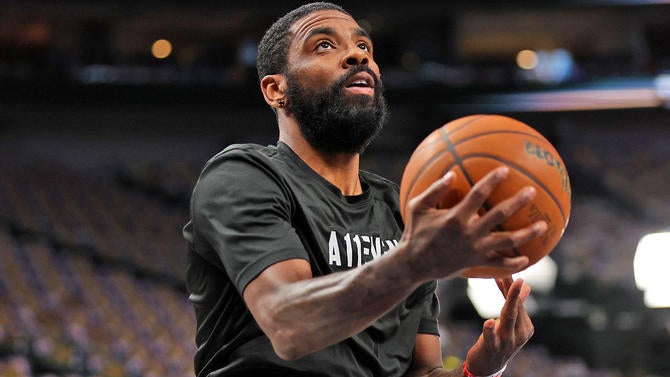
x: 355, y: 56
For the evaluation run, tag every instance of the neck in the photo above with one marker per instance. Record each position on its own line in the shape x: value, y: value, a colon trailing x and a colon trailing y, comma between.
x: 340, y: 169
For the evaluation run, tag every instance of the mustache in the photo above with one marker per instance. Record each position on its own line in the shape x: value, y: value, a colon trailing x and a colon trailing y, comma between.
x: 340, y: 83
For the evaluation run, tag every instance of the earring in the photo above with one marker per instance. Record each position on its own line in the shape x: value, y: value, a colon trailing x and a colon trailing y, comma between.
x: 281, y: 103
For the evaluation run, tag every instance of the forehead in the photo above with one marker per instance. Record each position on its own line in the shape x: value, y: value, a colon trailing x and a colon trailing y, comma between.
x: 302, y: 28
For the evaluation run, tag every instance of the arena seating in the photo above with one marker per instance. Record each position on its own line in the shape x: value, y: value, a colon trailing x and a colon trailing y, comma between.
x: 90, y: 280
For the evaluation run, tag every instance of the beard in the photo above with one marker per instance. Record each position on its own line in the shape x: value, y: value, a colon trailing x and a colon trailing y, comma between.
x: 333, y: 121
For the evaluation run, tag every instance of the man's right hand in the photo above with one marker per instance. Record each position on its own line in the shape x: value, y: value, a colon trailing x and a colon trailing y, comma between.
x: 443, y: 241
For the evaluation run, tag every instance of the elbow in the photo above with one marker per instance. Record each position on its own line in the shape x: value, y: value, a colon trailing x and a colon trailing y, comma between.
x: 288, y: 353
x: 290, y: 345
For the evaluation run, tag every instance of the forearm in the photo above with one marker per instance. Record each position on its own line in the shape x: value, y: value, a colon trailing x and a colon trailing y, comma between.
x: 439, y: 372
x: 308, y: 315
x: 458, y: 372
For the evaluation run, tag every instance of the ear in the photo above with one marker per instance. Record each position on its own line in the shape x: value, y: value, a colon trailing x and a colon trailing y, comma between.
x: 273, y: 88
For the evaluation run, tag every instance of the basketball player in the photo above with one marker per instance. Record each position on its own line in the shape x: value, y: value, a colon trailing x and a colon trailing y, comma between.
x: 299, y: 263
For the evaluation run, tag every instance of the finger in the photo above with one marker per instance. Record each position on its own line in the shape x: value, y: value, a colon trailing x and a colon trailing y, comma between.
x: 430, y: 197
x: 506, y: 264
x: 488, y: 331
x: 510, y: 311
x: 477, y: 196
x: 525, y: 292
x: 504, y: 284
x: 524, y: 325
x: 511, y: 239
x: 504, y: 210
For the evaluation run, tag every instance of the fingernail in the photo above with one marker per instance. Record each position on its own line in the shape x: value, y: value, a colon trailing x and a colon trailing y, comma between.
x: 540, y: 227
x: 502, y: 171
x: 447, y: 178
x: 529, y: 192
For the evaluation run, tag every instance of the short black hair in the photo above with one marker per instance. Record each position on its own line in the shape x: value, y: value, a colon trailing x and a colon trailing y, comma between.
x: 272, y: 55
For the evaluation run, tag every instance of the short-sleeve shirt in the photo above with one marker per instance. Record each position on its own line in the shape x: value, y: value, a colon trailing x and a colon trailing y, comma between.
x: 254, y: 206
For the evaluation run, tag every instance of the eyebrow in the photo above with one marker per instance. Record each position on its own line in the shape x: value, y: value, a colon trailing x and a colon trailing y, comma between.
x: 360, y: 32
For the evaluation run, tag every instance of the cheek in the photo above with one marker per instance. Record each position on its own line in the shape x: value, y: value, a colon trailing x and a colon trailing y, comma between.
x: 375, y: 69
x: 314, y: 76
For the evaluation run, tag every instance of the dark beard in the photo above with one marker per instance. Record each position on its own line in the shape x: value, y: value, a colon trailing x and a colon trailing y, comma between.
x: 332, y: 121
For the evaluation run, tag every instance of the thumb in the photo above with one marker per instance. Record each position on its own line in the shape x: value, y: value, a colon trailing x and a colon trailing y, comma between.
x: 430, y: 197
x: 488, y: 331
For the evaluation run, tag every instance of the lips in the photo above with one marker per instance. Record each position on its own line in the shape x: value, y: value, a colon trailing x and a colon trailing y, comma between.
x: 360, y: 83
x: 361, y: 80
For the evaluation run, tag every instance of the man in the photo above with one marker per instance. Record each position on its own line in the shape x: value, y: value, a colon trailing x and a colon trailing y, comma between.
x: 299, y: 263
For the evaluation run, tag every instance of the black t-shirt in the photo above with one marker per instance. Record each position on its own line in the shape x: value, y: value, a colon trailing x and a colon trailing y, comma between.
x: 254, y: 206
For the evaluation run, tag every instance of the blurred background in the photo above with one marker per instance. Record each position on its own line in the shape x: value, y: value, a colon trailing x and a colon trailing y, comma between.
x: 109, y: 109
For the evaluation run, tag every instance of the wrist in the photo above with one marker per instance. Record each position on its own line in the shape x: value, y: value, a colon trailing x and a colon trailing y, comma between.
x: 467, y: 373
x: 413, y: 268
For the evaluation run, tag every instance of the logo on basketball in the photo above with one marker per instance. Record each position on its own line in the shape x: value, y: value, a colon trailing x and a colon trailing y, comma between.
x: 548, y: 157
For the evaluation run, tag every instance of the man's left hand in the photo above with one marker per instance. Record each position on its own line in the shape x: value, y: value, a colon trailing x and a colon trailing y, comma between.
x: 502, y: 338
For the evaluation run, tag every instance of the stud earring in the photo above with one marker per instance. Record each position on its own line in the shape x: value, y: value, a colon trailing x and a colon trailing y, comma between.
x: 281, y: 103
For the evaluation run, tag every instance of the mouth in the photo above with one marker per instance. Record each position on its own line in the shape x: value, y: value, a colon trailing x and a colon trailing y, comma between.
x: 361, y: 83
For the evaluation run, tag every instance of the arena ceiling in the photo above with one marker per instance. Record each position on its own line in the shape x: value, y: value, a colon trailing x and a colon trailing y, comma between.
x: 463, y: 48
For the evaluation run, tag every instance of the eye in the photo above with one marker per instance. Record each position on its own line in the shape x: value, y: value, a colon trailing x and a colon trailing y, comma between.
x: 324, y: 44
x: 364, y: 46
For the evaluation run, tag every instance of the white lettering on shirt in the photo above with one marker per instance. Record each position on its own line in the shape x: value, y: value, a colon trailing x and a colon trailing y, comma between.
x: 356, y: 249
x: 334, y: 250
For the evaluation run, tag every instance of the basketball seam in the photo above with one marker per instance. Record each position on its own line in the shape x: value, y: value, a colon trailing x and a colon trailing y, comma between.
x: 499, y: 132
x: 462, y: 126
x: 459, y: 161
x: 523, y: 171
x: 425, y: 166
x: 420, y: 172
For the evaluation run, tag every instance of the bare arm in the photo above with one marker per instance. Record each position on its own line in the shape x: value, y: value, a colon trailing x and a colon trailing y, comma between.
x: 427, y: 359
x: 301, y: 314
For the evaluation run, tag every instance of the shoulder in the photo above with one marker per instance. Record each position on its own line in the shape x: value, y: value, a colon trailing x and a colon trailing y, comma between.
x: 378, y: 179
x: 380, y: 185
x: 238, y: 168
x: 383, y: 190
x: 241, y: 152
x: 238, y: 160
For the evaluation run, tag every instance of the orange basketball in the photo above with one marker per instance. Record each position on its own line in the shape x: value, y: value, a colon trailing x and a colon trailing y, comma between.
x: 474, y: 145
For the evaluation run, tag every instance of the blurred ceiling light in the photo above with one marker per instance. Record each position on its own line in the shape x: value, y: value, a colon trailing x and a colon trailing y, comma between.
x: 36, y: 33
x: 662, y: 85
x: 485, y: 297
x: 604, y: 95
x: 650, y: 265
x: 545, y: 66
x: 488, y: 301
x: 246, y: 52
x: 526, y: 59
x: 161, y: 49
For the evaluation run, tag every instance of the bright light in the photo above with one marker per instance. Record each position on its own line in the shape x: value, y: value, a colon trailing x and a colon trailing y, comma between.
x: 662, y: 84
x: 541, y: 276
x: 526, y: 59
x: 650, y: 265
x: 161, y: 49
x: 545, y: 66
x: 485, y: 297
x: 488, y: 301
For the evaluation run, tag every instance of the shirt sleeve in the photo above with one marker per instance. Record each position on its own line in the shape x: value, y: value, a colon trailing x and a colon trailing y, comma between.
x: 431, y: 311
x: 241, y: 212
